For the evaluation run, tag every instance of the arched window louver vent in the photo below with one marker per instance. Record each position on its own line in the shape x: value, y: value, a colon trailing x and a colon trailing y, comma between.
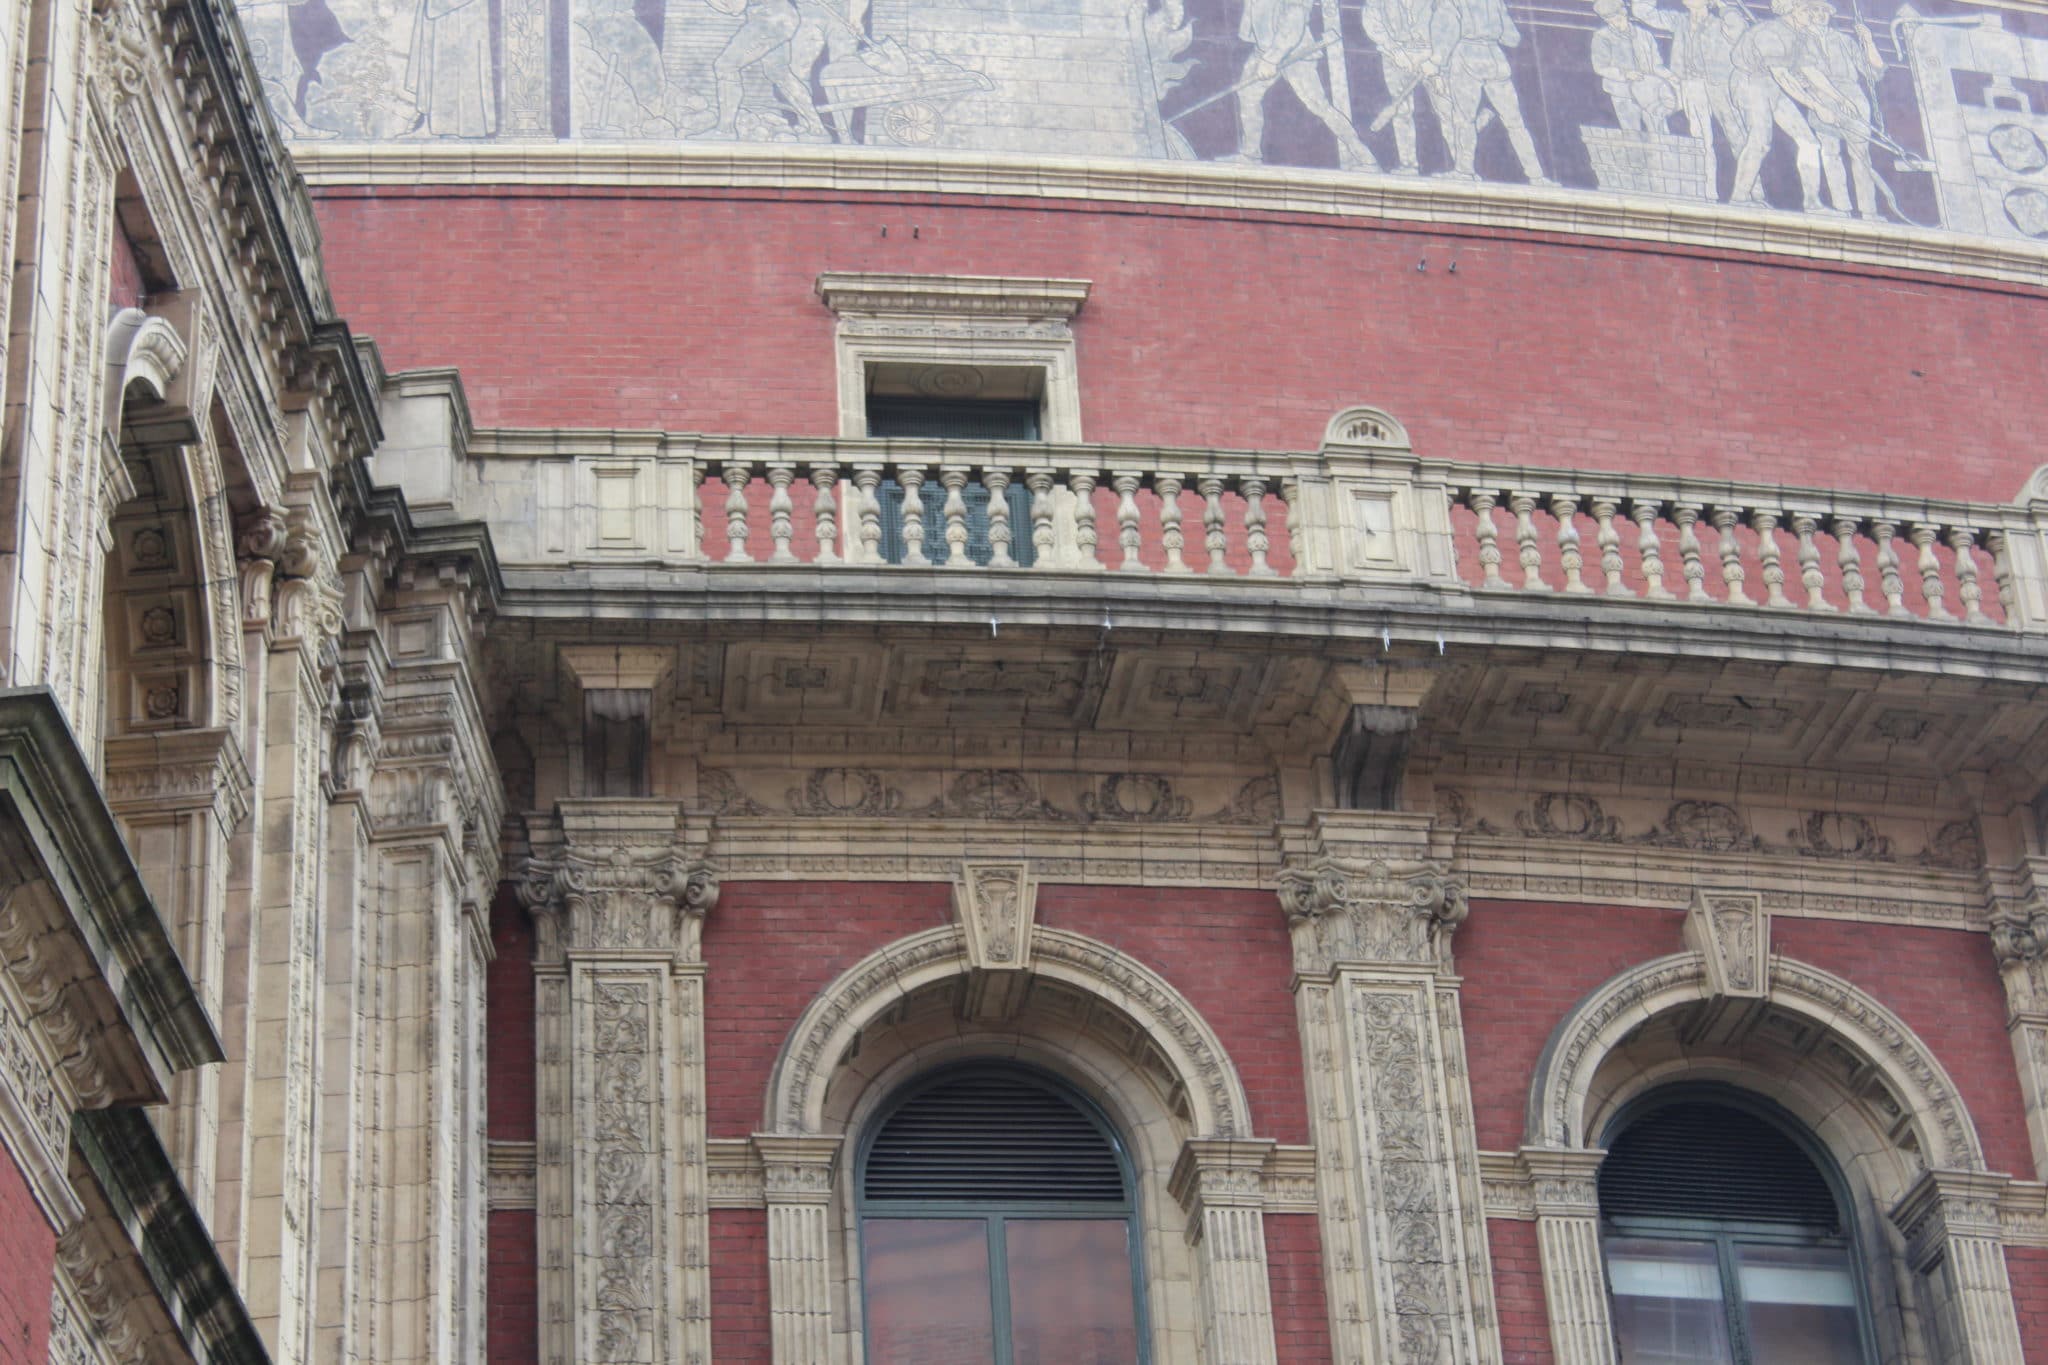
x: 993, y: 1139
x: 1693, y: 1160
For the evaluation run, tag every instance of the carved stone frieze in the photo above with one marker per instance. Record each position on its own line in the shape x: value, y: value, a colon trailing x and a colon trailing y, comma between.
x: 1401, y: 911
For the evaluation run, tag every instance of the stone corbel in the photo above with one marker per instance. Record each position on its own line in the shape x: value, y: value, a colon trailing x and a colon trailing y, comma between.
x: 1731, y: 932
x: 1955, y: 1242
x: 996, y: 904
x: 259, y: 545
x: 1371, y: 904
x: 146, y: 351
x: 2019, y: 944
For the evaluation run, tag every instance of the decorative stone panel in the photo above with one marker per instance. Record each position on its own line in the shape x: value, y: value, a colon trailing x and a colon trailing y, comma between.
x: 1732, y: 935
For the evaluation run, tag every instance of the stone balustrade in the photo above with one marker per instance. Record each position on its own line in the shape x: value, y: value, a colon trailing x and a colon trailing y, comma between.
x: 1038, y: 508
x: 1786, y: 549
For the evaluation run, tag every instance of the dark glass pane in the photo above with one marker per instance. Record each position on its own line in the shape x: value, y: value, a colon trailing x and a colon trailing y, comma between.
x: 1801, y: 1305
x: 932, y: 498
x: 969, y: 419
x: 927, y: 1286
x: 1668, y: 1307
x: 1070, y: 1292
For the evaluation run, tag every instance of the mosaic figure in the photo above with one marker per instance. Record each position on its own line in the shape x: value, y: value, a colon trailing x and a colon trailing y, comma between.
x: 1469, y: 40
x: 1837, y: 77
x: 1702, y: 62
x: 1283, y: 49
x: 1399, y: 29
x: 269, y: 26
x: 1625, y: 58
x: 784, y: 38
x: 620, y: 89
x: 448, y: 73
x: 1769, y: 59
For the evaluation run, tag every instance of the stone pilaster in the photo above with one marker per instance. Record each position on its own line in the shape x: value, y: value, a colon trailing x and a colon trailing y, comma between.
x: 179, y: 796
x: 797, y: 1181
x: 1220, y: 1184
x: 1953, y: 1242
x: 1371, y: 909
x: 2019, y: 942
x: 1565, y: 1191
x: 619, y: 894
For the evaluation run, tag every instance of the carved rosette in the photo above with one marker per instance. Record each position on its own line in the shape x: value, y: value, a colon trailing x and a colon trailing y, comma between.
x: 1380, y: 912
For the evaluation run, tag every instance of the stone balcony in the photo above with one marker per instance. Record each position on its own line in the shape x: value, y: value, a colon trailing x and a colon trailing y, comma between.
x: 1362, y: 539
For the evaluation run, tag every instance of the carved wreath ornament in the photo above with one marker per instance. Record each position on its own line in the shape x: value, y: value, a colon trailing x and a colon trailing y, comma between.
x: 1376, y: 912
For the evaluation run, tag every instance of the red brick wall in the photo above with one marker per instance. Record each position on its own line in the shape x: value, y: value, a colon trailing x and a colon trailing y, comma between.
x: 1944, y: 985
x: 1526, y: 966
x: 512, y: 1298
x: 126, y: 287
x: 1227, y: 952
x: 739, y: 1286
x: 1518, y: 1292
x: 27, y: 1254
x: 508, y: 1014
x: 2028, y: 1269
x: 695, y: 312
x: 1294, y: 1268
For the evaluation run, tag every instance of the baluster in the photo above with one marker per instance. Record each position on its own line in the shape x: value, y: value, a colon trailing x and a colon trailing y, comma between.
x: 1082, y: 486
x: 781, y: 513
x: 1849, y: 558
x: 1254, y: 490
x: 1889, y: 574
x: 1609, y: 542
x: 1968, y: 590
x: 1167, y: 486
x: 1126, y: 482
x: 1811, y: 576
x: 1922, y: 535
x: 997, y: 482
x: 1489, y: 541
x: 1213, y: 538
x: 1651, y: 550
x: 1566, y: 510
x: 2000, y: 546
x: 1040, y: 482
x: 738, y: 474
x: 867, y: 503
x: 825, y: 512
x: 1522, y: 505
x: 1290, y: 502
x: 911, y: 477
x: 1725, y: 520
x: 953, y: 478
x: 1765, y: 524
x: 1691, y: 559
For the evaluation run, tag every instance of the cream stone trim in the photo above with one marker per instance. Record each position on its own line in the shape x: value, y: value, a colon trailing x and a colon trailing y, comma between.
x: 803, y: 1072
x: 969, y: 321
x: 1558, y: 1104
x: 1434, y: 203
x: 509, y: 1171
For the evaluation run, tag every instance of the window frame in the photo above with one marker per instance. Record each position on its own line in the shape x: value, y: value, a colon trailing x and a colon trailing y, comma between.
x: 1727, y: 1234
x: 996, y: 1215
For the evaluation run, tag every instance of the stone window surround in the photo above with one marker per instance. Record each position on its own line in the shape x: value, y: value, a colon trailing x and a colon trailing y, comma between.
x: 981, y: 321
x: 1208, y: 1164
x: 1939, y: 1207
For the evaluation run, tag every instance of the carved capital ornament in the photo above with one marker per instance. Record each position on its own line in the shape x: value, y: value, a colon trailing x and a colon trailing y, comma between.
x: 1380, y: 912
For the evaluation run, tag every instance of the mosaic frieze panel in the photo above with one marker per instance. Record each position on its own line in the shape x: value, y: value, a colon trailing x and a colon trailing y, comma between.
x: 1933, y: 114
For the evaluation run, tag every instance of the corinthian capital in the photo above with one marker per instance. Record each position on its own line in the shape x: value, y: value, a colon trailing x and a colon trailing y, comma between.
x: 1401, y: 912
x: 620, y: 884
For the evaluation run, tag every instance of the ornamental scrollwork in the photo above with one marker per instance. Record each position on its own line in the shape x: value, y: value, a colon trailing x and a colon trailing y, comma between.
x: 1377, y: 912
x: 622, y: 897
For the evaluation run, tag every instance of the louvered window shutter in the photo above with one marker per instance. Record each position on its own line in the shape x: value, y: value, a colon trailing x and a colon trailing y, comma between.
x: 1714, y: 1161
x: 993, y: 1139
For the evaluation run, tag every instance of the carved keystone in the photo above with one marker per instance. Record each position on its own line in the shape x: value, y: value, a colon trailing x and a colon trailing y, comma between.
x: 1731, y: 931
x: 996, y: 904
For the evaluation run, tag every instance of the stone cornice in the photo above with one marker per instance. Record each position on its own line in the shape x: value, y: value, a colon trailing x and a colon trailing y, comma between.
x: 1437, y: 204
x: 49, y: 794
x: 953, y: 296
x: 139, y: 1191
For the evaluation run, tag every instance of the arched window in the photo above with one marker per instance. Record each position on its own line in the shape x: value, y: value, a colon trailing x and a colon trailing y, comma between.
x: 1727, y: 1237
x: 997, y: 1227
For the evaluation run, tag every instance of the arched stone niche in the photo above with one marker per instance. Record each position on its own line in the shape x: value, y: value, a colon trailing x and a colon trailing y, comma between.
x: 1842, y: 1064
x: 1088, y: 1013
